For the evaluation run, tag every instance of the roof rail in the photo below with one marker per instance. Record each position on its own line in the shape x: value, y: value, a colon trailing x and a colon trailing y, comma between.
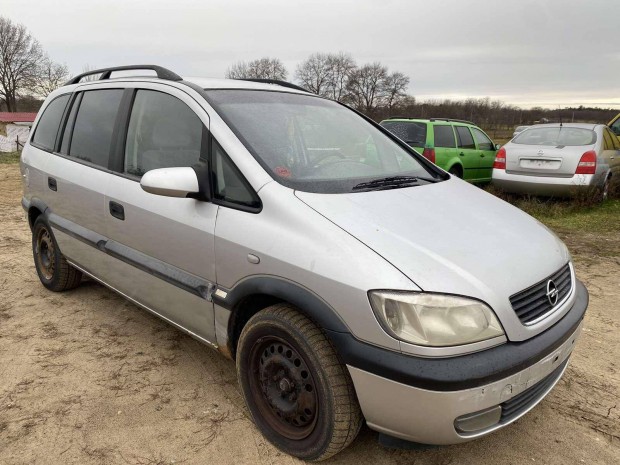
x: 162, y: 73
x: 452, y: 120
x: 278, y: 82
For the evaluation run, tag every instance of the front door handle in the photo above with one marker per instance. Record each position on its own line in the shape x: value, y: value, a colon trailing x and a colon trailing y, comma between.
x: 462, y: 154
x: 117, y: 210
x: 482, y: 155
x: 51, y: 183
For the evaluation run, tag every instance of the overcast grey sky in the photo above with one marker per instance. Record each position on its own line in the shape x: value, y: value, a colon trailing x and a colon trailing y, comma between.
x: 525, y: 52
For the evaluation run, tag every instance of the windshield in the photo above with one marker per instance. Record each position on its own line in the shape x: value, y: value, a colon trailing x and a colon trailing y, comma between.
x: 313, y: 144
x: 556, y: 136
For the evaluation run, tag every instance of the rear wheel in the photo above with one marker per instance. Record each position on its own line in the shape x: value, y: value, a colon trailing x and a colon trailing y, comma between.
x: 53, y: 269
x: 605, y: 190
x: 300, y: 396
x: 456, y: 171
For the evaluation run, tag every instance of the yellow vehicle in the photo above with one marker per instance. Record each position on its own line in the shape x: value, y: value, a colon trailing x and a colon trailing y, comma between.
x: 614, y: 125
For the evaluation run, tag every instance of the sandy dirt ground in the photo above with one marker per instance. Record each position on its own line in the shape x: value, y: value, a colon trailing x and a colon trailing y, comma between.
x: 88, y: 378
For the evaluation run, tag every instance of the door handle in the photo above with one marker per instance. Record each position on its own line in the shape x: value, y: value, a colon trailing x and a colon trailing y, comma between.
x: 51, y: 183
x: 462, y: 154
x: 482, y: 155
x: 117, y: 210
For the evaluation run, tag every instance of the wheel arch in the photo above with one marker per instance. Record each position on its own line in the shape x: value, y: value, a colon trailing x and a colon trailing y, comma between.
x: 458, y: 165
x: 34, y: 208
x: 254, y: 294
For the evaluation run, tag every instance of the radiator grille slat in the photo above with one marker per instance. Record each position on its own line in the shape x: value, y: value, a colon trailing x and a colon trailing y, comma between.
x: 532, y: 303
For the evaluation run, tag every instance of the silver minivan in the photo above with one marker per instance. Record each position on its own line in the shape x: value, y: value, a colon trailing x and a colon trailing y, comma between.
x: 349, y: 278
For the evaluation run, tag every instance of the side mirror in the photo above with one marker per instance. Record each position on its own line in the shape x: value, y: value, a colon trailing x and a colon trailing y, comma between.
x: 171, y: 182
x: 498, y: 146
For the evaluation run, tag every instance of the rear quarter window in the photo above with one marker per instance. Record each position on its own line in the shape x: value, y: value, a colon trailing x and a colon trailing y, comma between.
x: 47, y: 128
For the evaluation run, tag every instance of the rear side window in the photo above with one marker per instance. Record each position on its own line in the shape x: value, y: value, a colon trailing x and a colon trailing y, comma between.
x: 484, y: 143
x: 163, y: 132
x: 413, y: 133
x: 94, y: 125
x: 608, y: 138
x: 47, y: 128
x: 465, y: 140
x: 444, y: 136
x: 615, y: 141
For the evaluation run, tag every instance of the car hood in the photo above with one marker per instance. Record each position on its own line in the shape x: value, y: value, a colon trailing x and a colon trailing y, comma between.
x: 450, y: 237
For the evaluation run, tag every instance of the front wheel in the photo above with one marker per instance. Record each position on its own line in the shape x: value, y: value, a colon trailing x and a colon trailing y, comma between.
x: 300, y: 396
x: 53, y: 269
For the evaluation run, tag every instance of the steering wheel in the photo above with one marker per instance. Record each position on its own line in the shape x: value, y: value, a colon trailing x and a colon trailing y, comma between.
x: 329, y: 155
x: 328, y: 169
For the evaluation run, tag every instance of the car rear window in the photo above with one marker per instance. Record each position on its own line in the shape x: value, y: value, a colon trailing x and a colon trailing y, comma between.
x: 556, y: 136
x: 413, y: 133
x: 444, y: 136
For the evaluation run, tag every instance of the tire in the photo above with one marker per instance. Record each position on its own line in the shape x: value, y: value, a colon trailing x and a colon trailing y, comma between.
x: 456, y: 171
x: 300, y: 396
x: 52, y: 267
x: 605, y: 190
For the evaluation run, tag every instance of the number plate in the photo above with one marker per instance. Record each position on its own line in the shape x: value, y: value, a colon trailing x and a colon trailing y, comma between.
x: 540, y: 164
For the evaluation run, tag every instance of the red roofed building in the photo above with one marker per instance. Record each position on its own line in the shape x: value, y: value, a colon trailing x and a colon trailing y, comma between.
x: 6, y: 117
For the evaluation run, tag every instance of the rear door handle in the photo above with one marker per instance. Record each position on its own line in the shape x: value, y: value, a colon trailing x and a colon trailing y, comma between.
x: 117, y: 210
x: 51, y: 183
x: 462, y: 154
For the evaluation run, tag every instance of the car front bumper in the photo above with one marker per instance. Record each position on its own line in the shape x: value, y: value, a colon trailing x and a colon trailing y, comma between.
x: 424, y: 399
x: 541, y: 185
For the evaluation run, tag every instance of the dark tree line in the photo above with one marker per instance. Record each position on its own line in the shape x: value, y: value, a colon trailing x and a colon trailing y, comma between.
x: 374, y: 90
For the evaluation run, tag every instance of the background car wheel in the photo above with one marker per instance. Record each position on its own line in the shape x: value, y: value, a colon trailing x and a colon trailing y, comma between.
x: 52, y: 267
x: 299, y: 394
x: 605, y: 190
x: 456, y: 171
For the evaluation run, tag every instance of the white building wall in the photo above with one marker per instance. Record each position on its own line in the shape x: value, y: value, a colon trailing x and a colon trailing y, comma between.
x: 8, y: 143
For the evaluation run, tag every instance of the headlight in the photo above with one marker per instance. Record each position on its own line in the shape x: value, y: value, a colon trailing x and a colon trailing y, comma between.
x: 434, y: 319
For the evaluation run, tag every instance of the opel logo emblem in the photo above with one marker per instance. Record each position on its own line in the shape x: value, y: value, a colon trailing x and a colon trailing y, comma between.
x: 541, y: 153
x: 552, y: 293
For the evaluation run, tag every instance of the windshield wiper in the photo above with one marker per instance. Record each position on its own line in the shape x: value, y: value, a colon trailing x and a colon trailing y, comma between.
x: 392, y: 182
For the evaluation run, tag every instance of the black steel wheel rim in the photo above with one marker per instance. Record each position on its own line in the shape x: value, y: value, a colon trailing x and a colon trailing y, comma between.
x: 283, y: 388
x: 45, y: 253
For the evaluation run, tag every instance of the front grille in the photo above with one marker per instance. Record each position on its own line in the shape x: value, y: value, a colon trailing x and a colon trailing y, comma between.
x: 533, y: 302
x: 523, y: 402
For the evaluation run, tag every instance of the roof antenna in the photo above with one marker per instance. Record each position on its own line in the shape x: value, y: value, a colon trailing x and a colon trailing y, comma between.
x: 560, y: 112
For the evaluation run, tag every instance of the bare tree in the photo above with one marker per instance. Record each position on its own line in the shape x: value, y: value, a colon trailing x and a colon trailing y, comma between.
x: 315, y: 74
x: 366, y: 87
x: 341, y: 66
x: 263, y: 68
x: 395, y: 89
x: 91, y: 77
x: 50, y: 77
x: 20, y: 58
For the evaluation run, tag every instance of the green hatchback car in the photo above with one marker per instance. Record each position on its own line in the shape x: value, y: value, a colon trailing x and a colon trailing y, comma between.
x: 457, y: 146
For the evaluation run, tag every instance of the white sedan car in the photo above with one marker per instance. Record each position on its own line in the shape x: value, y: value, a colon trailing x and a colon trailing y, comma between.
x: 558, y: 160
